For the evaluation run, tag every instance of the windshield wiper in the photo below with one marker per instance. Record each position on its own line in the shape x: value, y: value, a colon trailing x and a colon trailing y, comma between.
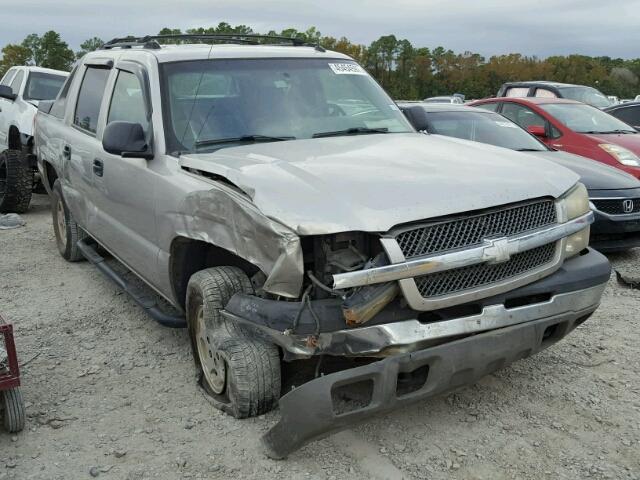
x: 594, y: 132
x: 620, y: 131
x: 351, y: 131
x: 529, y: 150
x: 242, y: 139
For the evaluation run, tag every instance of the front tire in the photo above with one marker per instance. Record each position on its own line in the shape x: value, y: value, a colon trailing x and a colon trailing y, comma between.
x: 16, y: 182
x: 68, y: 232
x: 13, y: 410
x: 240, y: 371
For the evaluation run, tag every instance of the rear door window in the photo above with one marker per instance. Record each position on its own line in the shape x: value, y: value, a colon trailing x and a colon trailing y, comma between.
x: 517, y: 92
x: 523, y: 116
x: 6, y: 80
x: 544, y: 93
x: 17, y: 82
x: 492, y: 107
x: 90, y: 98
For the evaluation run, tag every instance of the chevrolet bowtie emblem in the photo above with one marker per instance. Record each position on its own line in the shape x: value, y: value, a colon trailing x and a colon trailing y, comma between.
x: 497, y: 251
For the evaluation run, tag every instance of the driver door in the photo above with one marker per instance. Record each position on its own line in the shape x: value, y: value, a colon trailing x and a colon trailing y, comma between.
x: 125, y: 187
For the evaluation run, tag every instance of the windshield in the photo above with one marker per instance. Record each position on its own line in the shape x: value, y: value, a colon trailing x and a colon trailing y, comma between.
x: 490, y: 128
x: 43, y: 86
x: 587, y: 95
x: 212, y: 104
x: 585, y: 118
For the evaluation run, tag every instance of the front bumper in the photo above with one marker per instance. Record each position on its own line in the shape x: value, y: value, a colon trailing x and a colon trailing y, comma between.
x: 310, y: 412
x: 577, y: 285
x: 615, y: 232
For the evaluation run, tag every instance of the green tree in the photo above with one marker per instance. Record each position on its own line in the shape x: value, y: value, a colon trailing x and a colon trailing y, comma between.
x: 89, y: 45
x: 49, y: 51
x: 13, y: 55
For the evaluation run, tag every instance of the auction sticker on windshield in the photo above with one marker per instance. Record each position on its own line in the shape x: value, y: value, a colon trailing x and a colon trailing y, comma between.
x: 347, y: 69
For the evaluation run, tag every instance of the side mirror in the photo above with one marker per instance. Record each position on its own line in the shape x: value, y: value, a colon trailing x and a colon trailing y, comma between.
x: 44, y: 106
x: 537, y: 130
x: 417, y: 117
x: 6, y: 92
x: 126, y: 139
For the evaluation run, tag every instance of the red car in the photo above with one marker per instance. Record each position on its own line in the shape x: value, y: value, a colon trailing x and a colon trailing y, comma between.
x: 573, y: 127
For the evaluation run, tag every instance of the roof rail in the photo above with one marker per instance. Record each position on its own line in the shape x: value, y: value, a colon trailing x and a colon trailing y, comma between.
x: 153, y: 41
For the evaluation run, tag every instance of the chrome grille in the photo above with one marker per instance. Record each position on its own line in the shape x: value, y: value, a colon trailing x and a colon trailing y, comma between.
x: 615, y: 206
x: 475, y: 276
x: 471, y: 230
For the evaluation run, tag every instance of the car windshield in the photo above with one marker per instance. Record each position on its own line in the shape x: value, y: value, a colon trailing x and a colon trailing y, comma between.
x: 43, y: 86
x: 212, y: 104
x: 587, y: 95
x: 586, y: 119
x: 490, y: 128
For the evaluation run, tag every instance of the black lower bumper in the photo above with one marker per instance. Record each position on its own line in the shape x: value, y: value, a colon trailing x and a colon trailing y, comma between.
x: 611, y: 233
x: 309, y: 411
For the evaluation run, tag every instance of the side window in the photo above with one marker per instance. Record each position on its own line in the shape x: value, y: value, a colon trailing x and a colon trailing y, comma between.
x: 127, y: 101
x: 17, y: 82
x: 521, y: 115
x: 517, y: 92
x: 544, y: 93
x: 6, y: 80
x: 492, y: 107
x: 90, y: 98
x: 630, y: 115
x: 59, y: 106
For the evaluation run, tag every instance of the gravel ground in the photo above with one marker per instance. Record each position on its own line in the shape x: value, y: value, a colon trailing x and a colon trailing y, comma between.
x: 111, y: 394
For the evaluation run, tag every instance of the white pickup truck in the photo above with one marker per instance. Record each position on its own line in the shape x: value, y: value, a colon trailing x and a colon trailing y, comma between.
x: 21, y: 90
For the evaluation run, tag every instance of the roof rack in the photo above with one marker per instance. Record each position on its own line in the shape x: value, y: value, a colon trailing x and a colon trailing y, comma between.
x: 153, y: 41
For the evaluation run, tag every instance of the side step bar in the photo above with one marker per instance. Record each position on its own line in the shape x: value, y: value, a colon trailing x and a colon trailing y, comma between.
x: 146, y: 302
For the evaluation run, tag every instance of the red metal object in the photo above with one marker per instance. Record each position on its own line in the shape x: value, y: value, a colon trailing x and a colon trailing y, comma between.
x: 10, y: 377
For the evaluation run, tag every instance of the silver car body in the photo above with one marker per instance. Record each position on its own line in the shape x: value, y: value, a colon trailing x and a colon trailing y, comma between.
x: 272, y: 194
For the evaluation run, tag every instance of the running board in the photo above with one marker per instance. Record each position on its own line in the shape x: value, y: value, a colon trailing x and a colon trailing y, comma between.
x: 145, y: 301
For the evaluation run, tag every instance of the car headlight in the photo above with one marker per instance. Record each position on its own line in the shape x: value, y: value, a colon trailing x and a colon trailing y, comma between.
x: 576, y: 203
x: 621, y: 154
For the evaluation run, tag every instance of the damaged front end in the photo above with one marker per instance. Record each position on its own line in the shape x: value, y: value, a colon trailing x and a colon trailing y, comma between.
x: 448, y: 299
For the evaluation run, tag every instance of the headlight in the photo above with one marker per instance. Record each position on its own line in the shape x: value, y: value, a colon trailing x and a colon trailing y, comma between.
x: 576, y: 203
x: 621, y: 154
x: 577, y: 242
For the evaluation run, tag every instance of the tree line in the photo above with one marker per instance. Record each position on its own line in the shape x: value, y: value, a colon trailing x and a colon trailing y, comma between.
x: 405, y: 70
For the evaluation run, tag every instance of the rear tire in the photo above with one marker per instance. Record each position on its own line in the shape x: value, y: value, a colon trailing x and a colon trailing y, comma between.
x: 16, y: 182
x: 68, y: 232
x: 240, y: 371
x: 13, y: 406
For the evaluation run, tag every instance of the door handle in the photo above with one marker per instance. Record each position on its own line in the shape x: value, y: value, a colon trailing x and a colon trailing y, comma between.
x: 66, y: 152
x: 98, y: 167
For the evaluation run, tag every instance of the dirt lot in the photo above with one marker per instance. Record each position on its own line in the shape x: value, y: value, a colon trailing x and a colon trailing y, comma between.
x: 111, y: 394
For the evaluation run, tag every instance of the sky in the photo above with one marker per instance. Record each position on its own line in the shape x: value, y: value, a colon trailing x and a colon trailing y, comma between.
x: 488, y: 27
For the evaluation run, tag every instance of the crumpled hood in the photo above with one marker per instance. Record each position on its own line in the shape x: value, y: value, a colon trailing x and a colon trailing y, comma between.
x: 373, y: 182
x: 594, y: 175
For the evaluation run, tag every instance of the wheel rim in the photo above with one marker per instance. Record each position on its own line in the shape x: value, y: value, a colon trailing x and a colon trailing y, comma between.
x: 61, y: 231
x: 214, y: 367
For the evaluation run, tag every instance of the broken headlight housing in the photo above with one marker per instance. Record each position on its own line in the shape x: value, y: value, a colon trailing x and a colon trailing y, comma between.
x: 576, y: 204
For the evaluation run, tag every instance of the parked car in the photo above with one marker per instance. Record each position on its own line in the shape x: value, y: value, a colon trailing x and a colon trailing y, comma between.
x: 573, y: 127
x: 614, y: 194
x: 445, y: 99
x: 232, y: 181
x: 21, y: 89
x: 613, y: 100
x: 541, y: 89
x: 629, y: 113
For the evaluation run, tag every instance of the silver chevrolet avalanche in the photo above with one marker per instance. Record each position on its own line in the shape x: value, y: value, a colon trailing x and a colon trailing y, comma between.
x: 275, y: 195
